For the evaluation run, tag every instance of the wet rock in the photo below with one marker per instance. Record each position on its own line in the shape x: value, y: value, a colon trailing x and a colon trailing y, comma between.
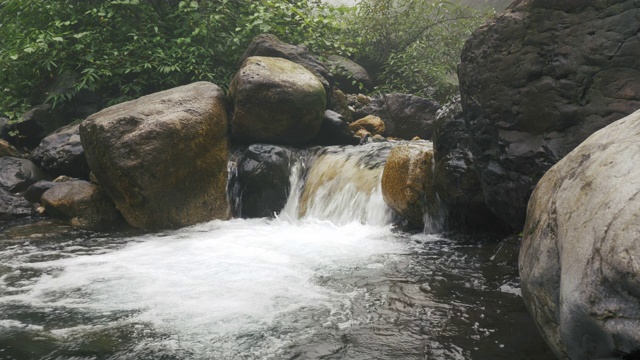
x: 275, y: 101
x: 83, y: 203
x: 7, y: 149
x: 536, y: 81
x: 163, y: 158
x: 372, y: 124
x: 455, y: 178
x: 268, y: 45
x: 35, y: 191
x: 61, y: 153
x: 35, y: 124
x: 407, y: 182
x: 346, y: 72
x: 263, y: 179
x: 17, y: 174
x: 14, y: 206
x: 405, y: 116
x: 580, y: 252
x: 334, y: 131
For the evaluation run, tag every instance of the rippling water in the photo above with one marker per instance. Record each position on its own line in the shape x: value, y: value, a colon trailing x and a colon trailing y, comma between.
x: 330, y: 278
x: 260, y: 289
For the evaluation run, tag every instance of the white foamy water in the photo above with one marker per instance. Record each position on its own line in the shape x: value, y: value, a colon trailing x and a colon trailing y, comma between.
x: 203, y: 286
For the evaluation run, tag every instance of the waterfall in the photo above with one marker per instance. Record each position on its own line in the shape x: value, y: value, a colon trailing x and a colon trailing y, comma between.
x: 340, y: 184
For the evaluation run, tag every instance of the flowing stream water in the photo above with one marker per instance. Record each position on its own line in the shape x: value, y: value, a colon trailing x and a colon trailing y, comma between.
x: 328, y: 278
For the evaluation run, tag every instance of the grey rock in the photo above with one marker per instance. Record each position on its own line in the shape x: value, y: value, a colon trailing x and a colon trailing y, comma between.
x: 580, y: 252
x: 14, y: 206
x: 17, y: 174
x: 536, y: 81
x: 263, y: 180
x: 61, y: 153
x: 334, y: 131
x: 35, y: 191
x: 346, y: 71
x: 455, y: 179
x: 405, y: 116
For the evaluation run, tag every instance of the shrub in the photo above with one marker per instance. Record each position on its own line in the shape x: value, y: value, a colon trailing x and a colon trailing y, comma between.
x: 122, y: 49
x: 413, y: 46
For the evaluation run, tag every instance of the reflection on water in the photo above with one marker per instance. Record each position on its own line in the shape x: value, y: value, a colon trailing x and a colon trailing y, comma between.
x: 256, y: 289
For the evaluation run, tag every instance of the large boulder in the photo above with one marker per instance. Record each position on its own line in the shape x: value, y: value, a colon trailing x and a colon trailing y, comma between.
x: 263, y: 180
x: 268, y: 45
x: 14, y: 206
x: 275, y: 101
x: 61, y: 153
x: 407, y: 184
x: 580, y: 252
x: 163, y: 157
x: 455, y: 179
x: 349, y: 76
x: 536, y: 81
x: 17, y: 174
x: 83, y: 203
x: 405, y: 116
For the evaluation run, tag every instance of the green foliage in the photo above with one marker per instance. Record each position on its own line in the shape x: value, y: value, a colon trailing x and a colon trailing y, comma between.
x: 413, y: 46
x: 52, y: 49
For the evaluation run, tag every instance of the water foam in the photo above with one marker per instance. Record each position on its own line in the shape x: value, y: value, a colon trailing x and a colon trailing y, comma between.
x: 211, y: 283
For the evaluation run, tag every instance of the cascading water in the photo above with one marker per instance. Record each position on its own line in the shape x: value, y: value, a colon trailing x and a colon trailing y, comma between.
x: 328, y: 278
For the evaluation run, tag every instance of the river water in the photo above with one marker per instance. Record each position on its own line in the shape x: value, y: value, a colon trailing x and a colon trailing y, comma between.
x: 336, y: 280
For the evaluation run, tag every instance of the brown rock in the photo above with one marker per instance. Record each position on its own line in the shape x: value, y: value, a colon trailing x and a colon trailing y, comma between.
x: 83, y: 203
x: 407, y: 182
x: 163, y: 158
x: 275, y: 101
x: 372, y: 124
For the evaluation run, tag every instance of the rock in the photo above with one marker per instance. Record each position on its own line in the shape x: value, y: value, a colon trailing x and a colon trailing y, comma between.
x: 61, y: 153
x: 17, y: 174
x: 275, y: 101
x: 334, y: 131
x: 405, y: 116
x: 36, y: 124
x: 163, y: 157
x: 346, y: 71
x: 341, y: 105
x: 263, y: 179
x: 14, y: 206
x: 580, y: 252
x: 455, y: 179
x: 372, y: 124
x: 407, y: 182
x: 83, y: 203
x: 536, y: 81
x: 35, y: 191
x: 7, y: 149
x: 268, y: 45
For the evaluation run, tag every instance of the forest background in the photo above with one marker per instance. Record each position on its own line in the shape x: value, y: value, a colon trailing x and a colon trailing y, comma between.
x: 54, y: 50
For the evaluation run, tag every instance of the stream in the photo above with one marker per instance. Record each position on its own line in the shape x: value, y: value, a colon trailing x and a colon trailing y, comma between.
x: 335, y: 281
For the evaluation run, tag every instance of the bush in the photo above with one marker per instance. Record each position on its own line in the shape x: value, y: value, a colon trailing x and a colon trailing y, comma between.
x: 413, y: 46
x: 53, y: 49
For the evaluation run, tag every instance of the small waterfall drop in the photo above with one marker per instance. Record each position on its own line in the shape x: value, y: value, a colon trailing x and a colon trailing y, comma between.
x: 341, y: 185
